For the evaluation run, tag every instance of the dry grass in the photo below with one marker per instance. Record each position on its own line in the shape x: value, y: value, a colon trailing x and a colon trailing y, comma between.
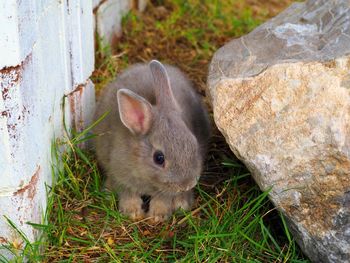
x: 186, y: 35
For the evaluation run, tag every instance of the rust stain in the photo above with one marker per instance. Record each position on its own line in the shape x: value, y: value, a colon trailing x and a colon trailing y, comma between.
x: 30, y: 187
x: 10, y: 76
x: 5, y: 113
x: 3, y: 240
x: 4, y: 93
x: 12, y: 69
x: 71, y: 99
x: 79, y: 88
x: 25, y: 112
x: 98, y: 6
x: 75, y: 98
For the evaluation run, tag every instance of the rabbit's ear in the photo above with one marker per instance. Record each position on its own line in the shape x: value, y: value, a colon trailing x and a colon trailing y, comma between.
x: 164, y: 94
x: 135, y: 112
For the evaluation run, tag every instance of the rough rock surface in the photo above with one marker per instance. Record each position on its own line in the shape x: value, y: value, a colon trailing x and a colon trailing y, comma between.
x: 281, y: 98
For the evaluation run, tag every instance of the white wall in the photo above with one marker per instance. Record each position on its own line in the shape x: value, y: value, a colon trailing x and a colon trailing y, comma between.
x: 109, y: 14
x: 46, y: 52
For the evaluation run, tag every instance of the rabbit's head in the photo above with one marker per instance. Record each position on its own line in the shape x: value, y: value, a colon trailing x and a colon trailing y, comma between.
x: 164, y: 151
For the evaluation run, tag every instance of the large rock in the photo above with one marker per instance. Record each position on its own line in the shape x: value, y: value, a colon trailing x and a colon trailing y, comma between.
x: 281, y: 98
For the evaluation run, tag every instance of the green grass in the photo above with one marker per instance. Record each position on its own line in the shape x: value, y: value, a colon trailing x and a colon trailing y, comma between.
x: 229, y: 224
x: 232, y: 220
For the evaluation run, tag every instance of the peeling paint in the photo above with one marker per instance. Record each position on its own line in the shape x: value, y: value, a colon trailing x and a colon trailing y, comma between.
x: 12, y: 76
x: 98, y: 6
x: 31, y: 94
x: 9, y: 77
x: 79, y: 88
x: 10, y: 82
x: 75, y: 102
x: 5, y: 113
x: 82, y: 95
x: 30, y: 187
x: 3, y: 240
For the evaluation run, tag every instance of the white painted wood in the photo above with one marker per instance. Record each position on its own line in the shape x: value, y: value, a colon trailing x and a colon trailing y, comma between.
x: 95, y: 3
x: 46, y: 52
x: 142, y: 4
x: 109, y: 17
x: 17, y: 37
x: 109, y: 14
x: 80, y: 20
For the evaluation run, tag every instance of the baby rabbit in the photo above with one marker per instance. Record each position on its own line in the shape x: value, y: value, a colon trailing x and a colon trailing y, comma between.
x: 153, y: 141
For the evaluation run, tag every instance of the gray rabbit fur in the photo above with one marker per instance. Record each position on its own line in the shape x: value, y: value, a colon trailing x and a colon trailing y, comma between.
x: 153, y: 141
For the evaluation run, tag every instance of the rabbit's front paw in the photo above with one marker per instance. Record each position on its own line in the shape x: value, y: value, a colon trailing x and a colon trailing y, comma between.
x: 131, y: 205
x: 160, y: 209
x: 183, y: 200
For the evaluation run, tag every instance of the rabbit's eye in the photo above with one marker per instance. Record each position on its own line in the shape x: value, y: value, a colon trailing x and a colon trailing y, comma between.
x: 158, y: 158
